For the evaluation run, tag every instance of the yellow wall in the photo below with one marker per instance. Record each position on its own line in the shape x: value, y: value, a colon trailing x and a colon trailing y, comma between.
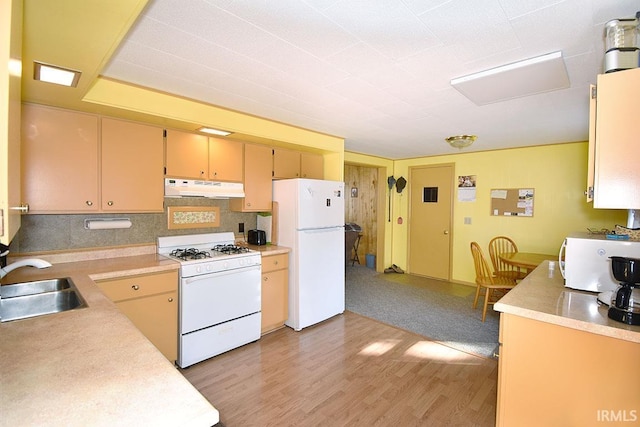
x: 556, y: 172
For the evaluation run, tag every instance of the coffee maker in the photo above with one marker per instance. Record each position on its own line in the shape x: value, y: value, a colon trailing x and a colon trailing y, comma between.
x: 625, y: 300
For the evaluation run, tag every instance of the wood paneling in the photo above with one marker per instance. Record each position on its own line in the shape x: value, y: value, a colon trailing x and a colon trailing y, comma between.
x: 362, y: 209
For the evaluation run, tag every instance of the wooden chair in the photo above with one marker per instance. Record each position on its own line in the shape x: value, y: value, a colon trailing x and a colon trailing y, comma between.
x: 499, y: 245
x: 487, y: 281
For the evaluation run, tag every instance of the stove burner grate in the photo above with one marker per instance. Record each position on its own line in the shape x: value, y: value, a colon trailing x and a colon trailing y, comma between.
x: 230, y: 249
x: 189, y: 254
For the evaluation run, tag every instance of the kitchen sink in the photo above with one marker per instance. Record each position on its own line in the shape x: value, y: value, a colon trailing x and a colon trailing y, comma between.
x: 32, y: 299
x: 30, y: 288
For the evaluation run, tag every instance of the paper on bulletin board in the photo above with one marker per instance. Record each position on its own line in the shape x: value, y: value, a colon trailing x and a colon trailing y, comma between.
x: 525, y: 201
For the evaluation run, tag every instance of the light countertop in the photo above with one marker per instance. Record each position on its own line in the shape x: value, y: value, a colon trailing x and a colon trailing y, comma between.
x: 267, y: 250
x: 542, y: 296
x: 92, y: 366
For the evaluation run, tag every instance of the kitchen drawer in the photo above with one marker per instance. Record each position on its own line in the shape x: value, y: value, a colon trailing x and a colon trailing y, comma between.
x: 139, y: 286
x: 274, y: 262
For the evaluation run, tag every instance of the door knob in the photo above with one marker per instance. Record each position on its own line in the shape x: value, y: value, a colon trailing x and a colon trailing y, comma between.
x: 446, y: 231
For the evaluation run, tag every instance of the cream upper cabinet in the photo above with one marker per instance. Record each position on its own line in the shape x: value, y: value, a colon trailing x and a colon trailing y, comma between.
x: 69, y: 166
x: 616, y: 175
x: 311, y: 166
x: 10, y: 51
x: 187, y: 155
x: 286, y: 163
x: 257, y: 181
x: 59, y: 160
x: 297, y: 164
x: 225, y: 160
x: 132, y: 167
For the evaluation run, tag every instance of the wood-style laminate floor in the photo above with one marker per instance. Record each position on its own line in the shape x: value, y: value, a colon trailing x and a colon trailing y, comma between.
x: 348, y: 371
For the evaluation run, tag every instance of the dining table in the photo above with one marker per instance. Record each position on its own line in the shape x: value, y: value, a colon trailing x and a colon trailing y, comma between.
x: 528, y: 261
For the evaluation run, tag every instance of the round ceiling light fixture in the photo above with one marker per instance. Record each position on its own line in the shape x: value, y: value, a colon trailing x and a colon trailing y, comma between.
x: 461, y: 141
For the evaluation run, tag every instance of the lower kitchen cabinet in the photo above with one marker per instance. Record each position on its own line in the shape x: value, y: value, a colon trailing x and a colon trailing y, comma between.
x: 275, y: 291
x: 554, y: 375
x: 150, y: 301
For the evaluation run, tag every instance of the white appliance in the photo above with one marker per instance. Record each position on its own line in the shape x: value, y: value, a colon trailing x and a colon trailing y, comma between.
x: 174, y: 187
x: 311, y: 223
x: 219, y: 294
x: 586, y: 264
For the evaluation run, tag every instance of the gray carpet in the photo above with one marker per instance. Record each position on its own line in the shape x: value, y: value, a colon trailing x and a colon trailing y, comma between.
x: 434, y: 309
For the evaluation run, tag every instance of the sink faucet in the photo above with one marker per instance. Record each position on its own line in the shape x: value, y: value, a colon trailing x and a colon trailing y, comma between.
x: 29, y: 262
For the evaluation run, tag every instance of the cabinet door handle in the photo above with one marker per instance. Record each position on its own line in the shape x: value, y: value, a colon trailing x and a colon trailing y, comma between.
x: 275, y: 263
x: 170, y: 299
x: 135, y: 287
x: 110, y: 203
x: 266, y: 279
x: 24, y: 207
x: 89, y: 203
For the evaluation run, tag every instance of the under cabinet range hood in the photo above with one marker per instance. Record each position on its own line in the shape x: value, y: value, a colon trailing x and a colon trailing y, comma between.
x: 174, y: 187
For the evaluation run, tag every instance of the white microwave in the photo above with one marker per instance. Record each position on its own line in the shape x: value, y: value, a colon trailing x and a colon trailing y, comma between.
x: 586, y: 263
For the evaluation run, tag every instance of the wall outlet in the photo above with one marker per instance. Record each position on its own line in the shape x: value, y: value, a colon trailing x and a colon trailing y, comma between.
x: 241, y: 227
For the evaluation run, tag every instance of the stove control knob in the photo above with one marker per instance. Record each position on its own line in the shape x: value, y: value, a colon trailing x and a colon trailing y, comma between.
x: 226, y: 265
x: 208, y: 267
x: 198, y: 269
x: 241, y: 262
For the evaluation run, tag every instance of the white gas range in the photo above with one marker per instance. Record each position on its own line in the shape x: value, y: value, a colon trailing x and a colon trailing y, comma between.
x: 219, y: 294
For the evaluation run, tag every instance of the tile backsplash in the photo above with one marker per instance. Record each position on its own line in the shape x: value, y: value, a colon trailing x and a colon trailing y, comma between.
x: 41, y: 233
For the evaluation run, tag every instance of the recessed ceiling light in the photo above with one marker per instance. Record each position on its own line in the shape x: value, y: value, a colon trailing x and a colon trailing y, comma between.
x: 529, y: 77
x: 54, y: 74
x: 213, y: 131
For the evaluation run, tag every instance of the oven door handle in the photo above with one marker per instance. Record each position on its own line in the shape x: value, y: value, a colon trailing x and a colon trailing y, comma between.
x: 219, y: 273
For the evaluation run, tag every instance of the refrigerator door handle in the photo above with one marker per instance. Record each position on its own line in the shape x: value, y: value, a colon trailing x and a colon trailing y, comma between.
x: 322, y: 229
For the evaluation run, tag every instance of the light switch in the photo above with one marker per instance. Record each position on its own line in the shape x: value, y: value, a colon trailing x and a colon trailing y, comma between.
x: 467, y: 220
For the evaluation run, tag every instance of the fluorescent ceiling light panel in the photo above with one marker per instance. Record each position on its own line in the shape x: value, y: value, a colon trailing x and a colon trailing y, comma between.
x: 529, y: 77
x: 214, y: 131
x: 54, y: 74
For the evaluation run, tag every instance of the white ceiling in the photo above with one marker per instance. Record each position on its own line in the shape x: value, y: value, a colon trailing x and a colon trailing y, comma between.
x: 375, y: 72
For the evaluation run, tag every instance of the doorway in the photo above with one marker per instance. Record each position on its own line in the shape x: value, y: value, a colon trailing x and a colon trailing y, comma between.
x: 430, y: 218
x: 364, y: 207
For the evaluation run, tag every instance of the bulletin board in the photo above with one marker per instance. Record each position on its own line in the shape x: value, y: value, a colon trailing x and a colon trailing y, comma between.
x: 512, y: 202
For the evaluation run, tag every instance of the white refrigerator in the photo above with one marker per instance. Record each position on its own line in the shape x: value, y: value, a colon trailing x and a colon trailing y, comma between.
x: 311, y: 223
